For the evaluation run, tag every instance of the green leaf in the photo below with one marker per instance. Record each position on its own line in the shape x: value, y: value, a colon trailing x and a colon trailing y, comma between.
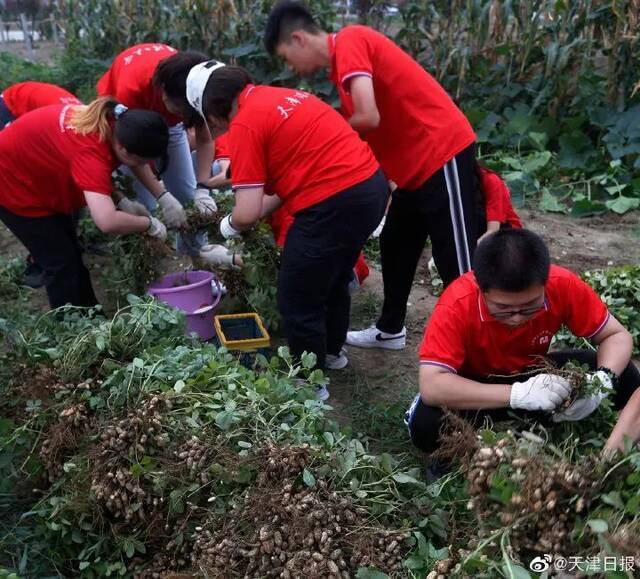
x: 308, y: 360
x: 386, y: 462
x: 308, y: 478
x: 598, y: 525
x: 549, y: 202
x: 613, y: 498
x: 329, y: 438
x: 623, y: 204
x: 370, y: 573
x: 129, y: 548
x: 404, y: 479
x: 514, y: 571
x: 179, y: 386
x: 83, y: 565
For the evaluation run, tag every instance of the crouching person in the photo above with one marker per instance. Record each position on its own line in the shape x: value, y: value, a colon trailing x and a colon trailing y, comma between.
x: 492, y: 327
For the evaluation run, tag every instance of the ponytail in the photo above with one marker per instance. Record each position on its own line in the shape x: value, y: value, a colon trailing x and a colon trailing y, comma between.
x: 140, y: 132
x: 96, y: 117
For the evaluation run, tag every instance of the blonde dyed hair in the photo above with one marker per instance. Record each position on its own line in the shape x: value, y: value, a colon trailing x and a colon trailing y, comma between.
x: 94, y: 117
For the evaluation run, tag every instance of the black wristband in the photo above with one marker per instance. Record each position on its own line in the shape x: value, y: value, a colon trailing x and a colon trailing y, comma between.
x: 612, y: 375
x: 161, y: 194
x: 150, y: 223
x: 201, y: 185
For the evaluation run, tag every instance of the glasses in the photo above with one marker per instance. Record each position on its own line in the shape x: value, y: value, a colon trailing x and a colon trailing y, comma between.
x: 505, y: 315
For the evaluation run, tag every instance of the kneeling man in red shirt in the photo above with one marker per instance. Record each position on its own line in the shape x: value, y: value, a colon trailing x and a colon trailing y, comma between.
x: 492, y: 327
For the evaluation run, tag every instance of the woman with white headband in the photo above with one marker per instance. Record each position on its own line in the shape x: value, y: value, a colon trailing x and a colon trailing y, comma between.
x: 289, y: 148
x: 153, y: 76
x: 59, y: 158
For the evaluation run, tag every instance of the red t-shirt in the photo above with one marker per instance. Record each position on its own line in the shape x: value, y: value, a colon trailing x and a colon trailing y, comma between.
x: 497, y: 199
x: 45, y: 165
x: 221, y: 145
x: 420, y: 126
x: 28, y: 96
x: 464, y: 337
x: 130, y: 79
x: 295, y: 146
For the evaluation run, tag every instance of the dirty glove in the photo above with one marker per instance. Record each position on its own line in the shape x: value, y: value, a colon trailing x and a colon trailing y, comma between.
x: 173, y: 212
x: 156, y: 229
x: 132, y: 207
x: 204, y: 202
x: 227, y: 229
x: 582, y: 407
x: 378, y: 230
x: 541, y: 392
x: 218, y: 255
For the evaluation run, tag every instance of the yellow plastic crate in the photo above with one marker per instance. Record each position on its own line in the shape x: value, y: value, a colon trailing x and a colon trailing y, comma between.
x: 244, y: 332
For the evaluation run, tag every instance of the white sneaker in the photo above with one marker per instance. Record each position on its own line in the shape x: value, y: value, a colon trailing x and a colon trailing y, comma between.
x: 333, y: 362
x: 322, y: 393
x: 373, y: 338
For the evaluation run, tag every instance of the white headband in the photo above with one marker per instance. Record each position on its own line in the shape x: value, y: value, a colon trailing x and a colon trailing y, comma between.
x: 197, y: 81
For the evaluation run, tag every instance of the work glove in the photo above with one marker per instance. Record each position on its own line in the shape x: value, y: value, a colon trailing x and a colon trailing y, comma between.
x: 378, y: 230
x: 204, y: 202
x: 132, y: 207
x: 227, y: 230
x: 217, y: 255
x: 582, y: 407
x: 157, y: 229
x: 173, y: 212
x: 541, y: 392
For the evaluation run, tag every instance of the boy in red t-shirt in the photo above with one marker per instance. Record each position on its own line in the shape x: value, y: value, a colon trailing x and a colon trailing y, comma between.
x: 422, y: 141
x: 492, y: 326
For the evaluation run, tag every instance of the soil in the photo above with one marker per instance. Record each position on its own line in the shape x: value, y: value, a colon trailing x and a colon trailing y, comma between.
x: 376, y: 377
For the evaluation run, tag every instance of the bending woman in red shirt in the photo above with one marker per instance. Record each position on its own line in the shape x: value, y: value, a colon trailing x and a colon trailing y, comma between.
x: 58, y: 159
x: 290, y: 142
x: 24, y: 97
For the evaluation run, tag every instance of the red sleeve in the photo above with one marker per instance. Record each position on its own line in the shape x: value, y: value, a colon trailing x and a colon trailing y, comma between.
x: 586, y: 312
x: 90, y: 171
x: 353, y: 56
x: 444, y: 339
x: 247, y: 149
x: 222, y: 147
x: 496, y: 196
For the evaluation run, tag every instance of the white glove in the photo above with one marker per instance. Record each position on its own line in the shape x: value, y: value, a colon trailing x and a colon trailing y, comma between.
x: 157, y: 229
x: 132, y: 207
x: 173, y: 212
x: 217, y: 255
x: 378, y: 230
x: 203, y: 201
x: 227, y: 229
x: 582, y: 407
x: 541, y: 392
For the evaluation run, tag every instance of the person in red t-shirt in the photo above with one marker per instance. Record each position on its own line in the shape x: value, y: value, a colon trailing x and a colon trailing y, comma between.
x: 491, y: 328
x: 152, y: 76
x: 290, y: 142
x: 421, y: 139
x: 23, y: 97
x: 58, y: 159
x: 496, y: 200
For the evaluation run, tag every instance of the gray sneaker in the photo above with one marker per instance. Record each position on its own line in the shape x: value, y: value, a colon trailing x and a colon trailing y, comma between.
x: 333, y: 362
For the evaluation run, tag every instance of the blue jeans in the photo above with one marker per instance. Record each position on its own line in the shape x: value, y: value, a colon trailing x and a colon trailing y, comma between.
x: 180, y: 179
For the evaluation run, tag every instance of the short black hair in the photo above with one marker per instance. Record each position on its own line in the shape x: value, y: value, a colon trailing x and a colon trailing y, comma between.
x: 223, y: 86
x: 143, y: 133
x: 171, y: 76
x: 286, y: 17
x: 511, y: 260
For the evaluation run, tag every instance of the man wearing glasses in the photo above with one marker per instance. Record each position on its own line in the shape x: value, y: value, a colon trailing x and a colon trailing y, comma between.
x: 493, y: 326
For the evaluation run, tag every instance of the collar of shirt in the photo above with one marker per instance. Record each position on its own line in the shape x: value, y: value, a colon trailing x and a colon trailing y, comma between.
x: 244, y: 95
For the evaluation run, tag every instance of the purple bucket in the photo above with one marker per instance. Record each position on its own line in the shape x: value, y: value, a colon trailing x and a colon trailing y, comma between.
x: 195, y: 298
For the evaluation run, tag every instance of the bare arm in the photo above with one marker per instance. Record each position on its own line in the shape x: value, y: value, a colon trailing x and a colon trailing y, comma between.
x: 220, y: 180
x: 270, y: 203
x: 204, y: 153
x: 365, y: 110
x: 614, y: 346
x: 248, y: 208
x: 109, y: 220
x: 440, y: 387
x: 145, y: 175
x: 628, y: 425
x: 492, y: 226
